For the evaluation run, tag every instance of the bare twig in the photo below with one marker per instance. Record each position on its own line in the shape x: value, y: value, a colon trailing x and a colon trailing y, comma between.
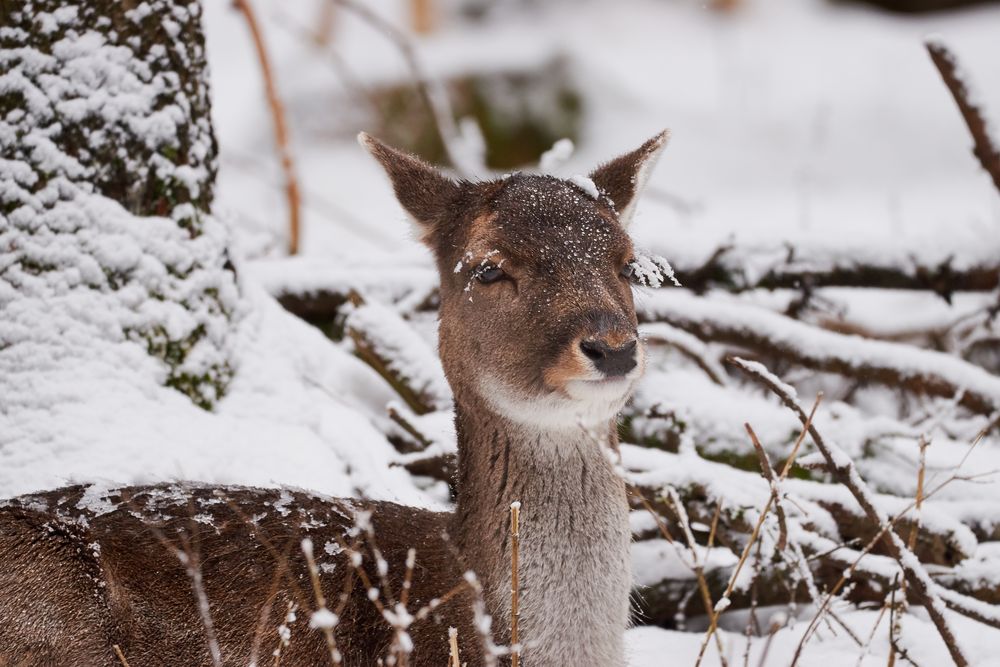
x: 768, y: 473
x: 422, y: 16
x: 843, y: 470
x: 723, y: 602
x: 984, y: 148
x: 280, y: 126
x: 866, y: 647
x: 697, y: 564
x: 453, y: 648
x: 790, y: 461
x: 323, y: 31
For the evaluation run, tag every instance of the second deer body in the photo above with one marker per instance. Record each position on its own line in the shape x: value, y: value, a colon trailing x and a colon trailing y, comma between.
x: 538, y: 341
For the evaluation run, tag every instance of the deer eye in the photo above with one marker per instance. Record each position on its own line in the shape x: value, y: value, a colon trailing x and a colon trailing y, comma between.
x: 489, y: 273
x: 627, y: 270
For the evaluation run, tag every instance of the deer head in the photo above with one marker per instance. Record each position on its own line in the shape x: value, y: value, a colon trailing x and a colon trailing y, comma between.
x: 537, y: 317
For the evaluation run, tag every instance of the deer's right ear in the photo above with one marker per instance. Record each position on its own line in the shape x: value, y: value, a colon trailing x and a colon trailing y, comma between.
x: 623, y: 178
x: 421, y: 189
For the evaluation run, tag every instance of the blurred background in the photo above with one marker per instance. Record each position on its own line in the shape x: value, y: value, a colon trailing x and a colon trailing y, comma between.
x: 811, y: 124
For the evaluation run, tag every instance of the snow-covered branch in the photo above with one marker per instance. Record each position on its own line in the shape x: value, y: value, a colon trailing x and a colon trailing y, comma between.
x: 985, y: 145
x: 892, y: 364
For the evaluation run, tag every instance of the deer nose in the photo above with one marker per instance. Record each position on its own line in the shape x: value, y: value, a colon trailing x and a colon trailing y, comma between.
x: 612, y: 361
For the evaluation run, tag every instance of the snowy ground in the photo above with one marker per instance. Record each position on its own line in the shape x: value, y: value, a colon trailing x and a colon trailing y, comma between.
x: 822, y: 126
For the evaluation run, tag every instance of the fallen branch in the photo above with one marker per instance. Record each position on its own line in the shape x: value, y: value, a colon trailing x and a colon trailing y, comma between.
x: 690, y: 346
x: 387, y: 343
x: 777, y: 267
x: 891, y: 364
x: 280, y: 126
x: 984, y: 148
x: 843, y: 470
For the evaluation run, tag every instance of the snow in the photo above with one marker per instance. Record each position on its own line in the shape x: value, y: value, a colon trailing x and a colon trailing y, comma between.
x: 585, y: 184
x: 553, y: 158
x: 323, y: 619
x: 647, y: 646
x: 656, y: 560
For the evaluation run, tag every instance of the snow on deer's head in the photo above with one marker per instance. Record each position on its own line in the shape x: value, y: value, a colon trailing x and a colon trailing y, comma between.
x: 537, y: 316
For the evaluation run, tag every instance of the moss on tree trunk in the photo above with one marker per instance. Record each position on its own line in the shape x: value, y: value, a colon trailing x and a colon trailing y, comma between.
x: 109, y: 98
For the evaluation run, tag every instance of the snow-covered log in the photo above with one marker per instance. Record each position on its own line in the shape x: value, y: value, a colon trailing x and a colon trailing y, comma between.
x: 891, y: 364
x: 739, y: 269
x: 389, y: 345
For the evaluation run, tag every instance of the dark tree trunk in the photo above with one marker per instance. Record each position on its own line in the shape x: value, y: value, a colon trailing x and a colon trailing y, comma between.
x: 108, y: 100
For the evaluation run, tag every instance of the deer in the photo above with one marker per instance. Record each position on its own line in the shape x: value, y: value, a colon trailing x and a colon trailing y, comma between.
x: 538, y: 340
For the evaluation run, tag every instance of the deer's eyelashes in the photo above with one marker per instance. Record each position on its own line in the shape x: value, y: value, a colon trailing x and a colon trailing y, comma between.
x: 489, y: 273
x: 627, y: 271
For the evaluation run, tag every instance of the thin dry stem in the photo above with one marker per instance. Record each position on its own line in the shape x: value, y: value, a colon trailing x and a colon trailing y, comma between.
x: 921, y: 475
x: 866, y: 647
x: 790, y: 461
x: 121, y: 656
x: 713, y: 529
x: 515, y: 547
x: 411, y: 561
x: 453, y: 660
x: 422, y: 16
x: 720, y: 606
x: 323, y: 32
x: 280, y: 126
x: 768, y: 473
x: 697, y: 565
x: 331, y: 642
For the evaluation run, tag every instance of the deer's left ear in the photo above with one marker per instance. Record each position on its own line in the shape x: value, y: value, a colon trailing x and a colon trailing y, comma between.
x: 623, y: 178
x: 421, y: 189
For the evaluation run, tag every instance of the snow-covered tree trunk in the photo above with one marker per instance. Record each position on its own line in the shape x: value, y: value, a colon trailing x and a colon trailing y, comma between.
x: 106, y: 180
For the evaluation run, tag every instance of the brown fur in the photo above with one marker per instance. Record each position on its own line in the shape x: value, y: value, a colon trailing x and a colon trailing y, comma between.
x: 84, y: 570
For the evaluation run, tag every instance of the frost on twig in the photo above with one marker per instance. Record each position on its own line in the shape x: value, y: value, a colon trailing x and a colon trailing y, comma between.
x: 652, y: 271
x: 843, y: 470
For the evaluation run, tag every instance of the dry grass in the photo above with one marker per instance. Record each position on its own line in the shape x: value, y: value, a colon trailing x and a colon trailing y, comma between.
x: 515, y: 608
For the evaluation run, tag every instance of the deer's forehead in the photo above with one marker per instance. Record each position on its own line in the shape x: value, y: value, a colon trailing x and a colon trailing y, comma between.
x: 548, y: 221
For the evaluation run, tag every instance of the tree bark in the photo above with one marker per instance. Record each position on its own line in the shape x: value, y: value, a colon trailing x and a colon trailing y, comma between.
x: 108, y: 100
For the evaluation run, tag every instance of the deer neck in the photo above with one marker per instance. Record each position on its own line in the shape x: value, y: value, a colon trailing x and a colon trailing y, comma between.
x: 575, y: 573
